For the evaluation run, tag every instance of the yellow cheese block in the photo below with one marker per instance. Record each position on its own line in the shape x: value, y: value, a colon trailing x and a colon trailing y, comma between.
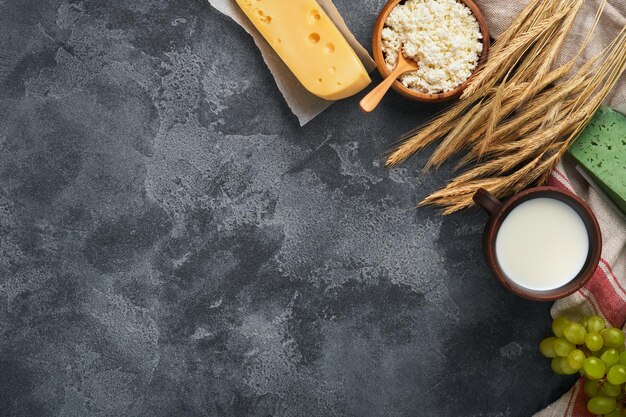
x: 308, y: 41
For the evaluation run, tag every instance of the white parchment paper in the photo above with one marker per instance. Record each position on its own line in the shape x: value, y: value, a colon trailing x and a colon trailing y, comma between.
x: 302, y: 103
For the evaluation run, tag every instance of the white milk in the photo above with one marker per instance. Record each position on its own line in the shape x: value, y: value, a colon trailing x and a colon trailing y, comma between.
x: 542, y: 244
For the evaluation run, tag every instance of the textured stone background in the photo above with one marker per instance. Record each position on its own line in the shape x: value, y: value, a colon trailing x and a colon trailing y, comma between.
x: 173, y: 244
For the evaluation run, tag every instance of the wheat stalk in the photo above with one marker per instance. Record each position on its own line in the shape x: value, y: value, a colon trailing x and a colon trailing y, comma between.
x: 457, y: 138
x: 424, y: 136
x: 518, y: 115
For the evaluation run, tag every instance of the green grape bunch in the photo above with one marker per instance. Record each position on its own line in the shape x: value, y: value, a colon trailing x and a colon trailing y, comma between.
x: 598, y: 353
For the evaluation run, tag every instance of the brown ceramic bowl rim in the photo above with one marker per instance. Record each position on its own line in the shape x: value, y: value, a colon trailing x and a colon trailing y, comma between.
x: 500, y: 210
x: 377, y: 51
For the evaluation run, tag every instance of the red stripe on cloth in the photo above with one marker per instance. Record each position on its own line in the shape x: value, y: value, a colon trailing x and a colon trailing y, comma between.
x: 555, y: 182
x: 562, y: 181
x: 591, y: 302
x: 569, y: 401
x: 608, y: 267
x: 564, y: 177
x: 611, y: 303
x: 579, y: 408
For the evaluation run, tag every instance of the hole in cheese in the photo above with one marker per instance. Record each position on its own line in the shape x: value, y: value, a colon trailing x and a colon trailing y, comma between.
x: 315, y: 16
x: 314, y: 38
x: 329, y: 48
x: 262, y: 17
x: 332, y: 69
x: 319, y: 80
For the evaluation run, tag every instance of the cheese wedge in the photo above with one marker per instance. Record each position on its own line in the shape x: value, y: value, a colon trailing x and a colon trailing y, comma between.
x: 310, y: 44
x: 601, y: 150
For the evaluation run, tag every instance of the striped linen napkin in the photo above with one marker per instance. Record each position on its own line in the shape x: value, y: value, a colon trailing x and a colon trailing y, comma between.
x: 605, y: 293
x: 501, y: 13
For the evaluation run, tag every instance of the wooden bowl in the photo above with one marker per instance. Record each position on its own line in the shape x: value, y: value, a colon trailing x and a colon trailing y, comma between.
x: 500, y: 210
x: 377, y: 50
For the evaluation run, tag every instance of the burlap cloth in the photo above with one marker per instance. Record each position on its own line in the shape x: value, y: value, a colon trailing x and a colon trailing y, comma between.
x: 605, y: 294
x: 500, y: 14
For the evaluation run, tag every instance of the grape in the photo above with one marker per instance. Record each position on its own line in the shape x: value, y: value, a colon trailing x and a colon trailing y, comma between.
x: 592, y: 388
x: 610, y: 390
x: 583, y: 322
x: 546, y: 347
x: 575, y: 333
x: 594, y: 350
x: 555, y: 364
x: 567, y: 370
x: 613, y: 337
x: 601, y: 405
x: 562, y: 347
x: 594, y: 341
x: 576, y: 357
x: 615, y: 413
x: 595, y: 324
x: 560, y: 367
x: 610, y: 357
x: 558, y: 325
x: 594, y: 368
x: 617, y: 374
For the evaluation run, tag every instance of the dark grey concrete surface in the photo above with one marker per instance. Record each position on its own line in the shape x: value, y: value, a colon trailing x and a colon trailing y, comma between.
x: 172, y: 243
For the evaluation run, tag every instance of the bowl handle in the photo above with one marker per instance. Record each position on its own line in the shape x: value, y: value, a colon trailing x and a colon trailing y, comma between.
x: 487, y: 201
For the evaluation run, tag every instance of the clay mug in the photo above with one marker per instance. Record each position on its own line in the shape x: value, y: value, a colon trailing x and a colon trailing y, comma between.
x: 499, y: 211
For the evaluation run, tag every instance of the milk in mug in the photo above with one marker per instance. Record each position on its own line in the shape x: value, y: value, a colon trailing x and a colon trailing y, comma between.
x: 542, y: 244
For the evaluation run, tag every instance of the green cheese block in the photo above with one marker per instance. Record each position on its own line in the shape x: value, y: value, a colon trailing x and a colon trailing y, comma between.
x: 601, y: 150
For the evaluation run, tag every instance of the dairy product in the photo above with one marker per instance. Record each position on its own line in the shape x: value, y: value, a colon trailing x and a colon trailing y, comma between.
x: 601, y: 150
x: 310, y: 44
x: 542, y: 244
x: 442, y: 36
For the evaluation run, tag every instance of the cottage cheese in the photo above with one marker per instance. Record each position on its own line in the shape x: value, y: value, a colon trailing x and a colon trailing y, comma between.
x: 442, y: 36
